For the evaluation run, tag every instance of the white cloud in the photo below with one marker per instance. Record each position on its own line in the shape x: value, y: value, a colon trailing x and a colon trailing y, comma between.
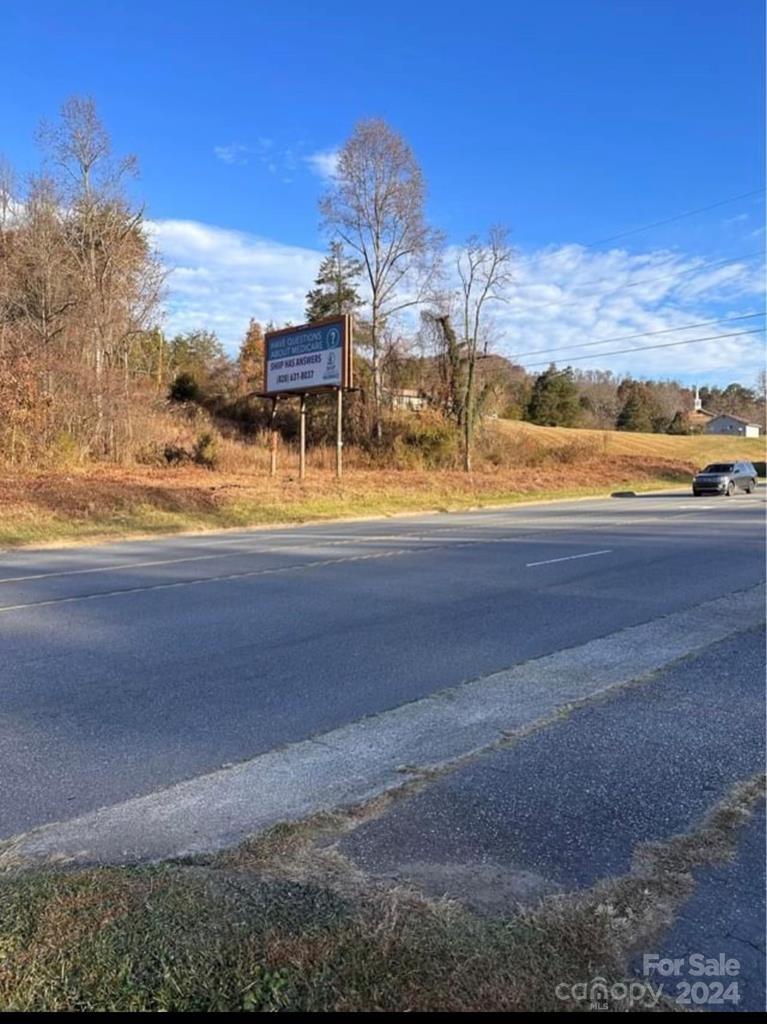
x: 571, y: 295
x: 279, y: 161
x: 323, y: 163
x: 562, y: 297
x: 221, y: 278
x: 234, y: 153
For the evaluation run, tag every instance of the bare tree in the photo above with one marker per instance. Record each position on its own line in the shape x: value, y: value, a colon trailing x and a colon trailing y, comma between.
x: 484, y: 271
x: 119, y: 278
x: 42, y: 289
x: 7, y: 192
x: 375, y: 205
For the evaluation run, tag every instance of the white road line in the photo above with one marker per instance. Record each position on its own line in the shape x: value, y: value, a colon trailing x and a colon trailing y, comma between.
x: 569, y: 558
x: 366, y: 539
x: 127, y: 566
x: 362, y: 541
x: 204, y: 579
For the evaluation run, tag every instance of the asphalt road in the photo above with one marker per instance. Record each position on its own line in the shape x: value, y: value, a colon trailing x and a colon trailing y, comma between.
x: 127, y: 667
x: 570, y: 805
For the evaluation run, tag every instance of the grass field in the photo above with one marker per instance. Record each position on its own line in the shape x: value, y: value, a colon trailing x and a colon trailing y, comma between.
x: 516, y: 462
x: 698, y: 449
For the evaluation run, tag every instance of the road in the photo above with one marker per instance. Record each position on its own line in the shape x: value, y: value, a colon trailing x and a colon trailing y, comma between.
x: 572, y: 804
x: 127, y: 667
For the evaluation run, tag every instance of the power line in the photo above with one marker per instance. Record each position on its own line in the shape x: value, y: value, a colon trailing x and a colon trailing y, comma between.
x: 654, y: 224
x: 647, y: 348
x: 678, y: 216
x: 643, y: 334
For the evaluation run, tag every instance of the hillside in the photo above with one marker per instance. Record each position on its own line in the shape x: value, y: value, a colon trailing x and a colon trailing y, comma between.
x: 698, y: 449
x: 515, y: 462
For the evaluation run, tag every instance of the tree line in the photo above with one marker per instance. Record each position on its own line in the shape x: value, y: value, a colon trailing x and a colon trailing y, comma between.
x: 83, y: 358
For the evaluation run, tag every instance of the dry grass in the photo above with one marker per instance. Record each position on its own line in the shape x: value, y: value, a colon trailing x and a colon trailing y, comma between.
x: 697, y: 450
x: 515, y: 462
x: 108, y: 501
x: 268, y: 928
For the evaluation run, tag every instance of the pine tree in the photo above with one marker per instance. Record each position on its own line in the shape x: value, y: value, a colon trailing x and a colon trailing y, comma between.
x: 250, y: 358
x: 554, y: 401
x: 637, y: 413
x: 336, y: 292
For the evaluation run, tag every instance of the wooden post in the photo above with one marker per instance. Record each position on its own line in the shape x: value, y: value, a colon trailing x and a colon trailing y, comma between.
x: 339, y: 433
x: 302, y: 441
x: 273, y: 439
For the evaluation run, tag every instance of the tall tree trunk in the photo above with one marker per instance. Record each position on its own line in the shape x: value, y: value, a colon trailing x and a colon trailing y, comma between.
x: 377, y: 381
x: 468, y: 415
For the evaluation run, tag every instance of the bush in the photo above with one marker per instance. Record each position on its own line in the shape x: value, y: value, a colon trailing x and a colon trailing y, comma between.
x: 575, y: 451
x: 206, y: 450
x: 64, y: 450
x: 184, y: 388
x: 428, y: 440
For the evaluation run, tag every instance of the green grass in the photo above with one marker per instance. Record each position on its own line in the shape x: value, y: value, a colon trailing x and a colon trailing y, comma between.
x: 284, y: 923
x: 180, y: 939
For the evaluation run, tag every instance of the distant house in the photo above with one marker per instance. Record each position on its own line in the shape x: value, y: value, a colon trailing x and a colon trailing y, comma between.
x: 407, y: 398
x: 733, y: 426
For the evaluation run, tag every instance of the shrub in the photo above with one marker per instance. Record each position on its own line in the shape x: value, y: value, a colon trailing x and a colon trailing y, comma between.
x: 575, y: 451
x: 184, y: 388
x: 206, y: 450
x: 64, y: 450
x: 430, y: 439
x: 152, y: 453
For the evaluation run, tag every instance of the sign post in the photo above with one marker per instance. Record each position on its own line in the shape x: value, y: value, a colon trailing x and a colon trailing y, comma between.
x: 310, y: 359
x: 273, y: 439
x: 302, y: 439
x: 339, y: 432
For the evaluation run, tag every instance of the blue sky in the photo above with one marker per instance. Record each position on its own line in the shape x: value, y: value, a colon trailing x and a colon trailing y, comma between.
x: 568, y: 121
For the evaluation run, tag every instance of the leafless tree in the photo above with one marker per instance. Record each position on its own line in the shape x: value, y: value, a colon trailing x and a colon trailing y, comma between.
x: 484, y: 272
x: 375, y: 205
x: 42, y: 288
x: 119, y: 278
x: 79, y: 290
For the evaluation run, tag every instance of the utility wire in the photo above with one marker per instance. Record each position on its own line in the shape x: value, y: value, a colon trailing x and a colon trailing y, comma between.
x: 643, y: 334
x: 678, y: 216
x: 646, y: 348
x: 653, y: 224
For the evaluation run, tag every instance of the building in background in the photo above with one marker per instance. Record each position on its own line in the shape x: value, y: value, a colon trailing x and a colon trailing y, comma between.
x: 733, y: 426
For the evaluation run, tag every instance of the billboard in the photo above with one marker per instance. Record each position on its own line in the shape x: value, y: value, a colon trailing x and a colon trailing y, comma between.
x: 312, y: 357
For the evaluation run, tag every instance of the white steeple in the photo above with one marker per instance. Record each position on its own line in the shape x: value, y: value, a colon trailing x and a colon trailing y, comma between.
x: 698, y: 405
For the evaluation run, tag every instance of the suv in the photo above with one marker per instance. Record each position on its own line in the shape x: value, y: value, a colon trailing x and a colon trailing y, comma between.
x: 725, y: 478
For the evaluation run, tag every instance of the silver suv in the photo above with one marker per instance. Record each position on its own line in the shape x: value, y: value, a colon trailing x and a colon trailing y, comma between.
x: 725, y: 478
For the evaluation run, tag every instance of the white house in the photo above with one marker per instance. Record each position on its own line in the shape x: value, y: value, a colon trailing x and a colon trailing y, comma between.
x: 407, y: 398
x: 733, y: 426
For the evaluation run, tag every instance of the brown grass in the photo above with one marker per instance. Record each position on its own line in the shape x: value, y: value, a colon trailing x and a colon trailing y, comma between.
x: 109, y: 501
x: 259, y: 931
x: 696, y: 450
x: 515, y: 462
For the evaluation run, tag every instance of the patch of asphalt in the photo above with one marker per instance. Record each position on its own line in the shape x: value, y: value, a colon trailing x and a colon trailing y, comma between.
x: 568, y: 805
x: 724, y: 916
x: 357, y: 762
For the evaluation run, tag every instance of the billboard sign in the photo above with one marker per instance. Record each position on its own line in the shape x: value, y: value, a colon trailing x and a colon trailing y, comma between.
x: 312, y: 357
